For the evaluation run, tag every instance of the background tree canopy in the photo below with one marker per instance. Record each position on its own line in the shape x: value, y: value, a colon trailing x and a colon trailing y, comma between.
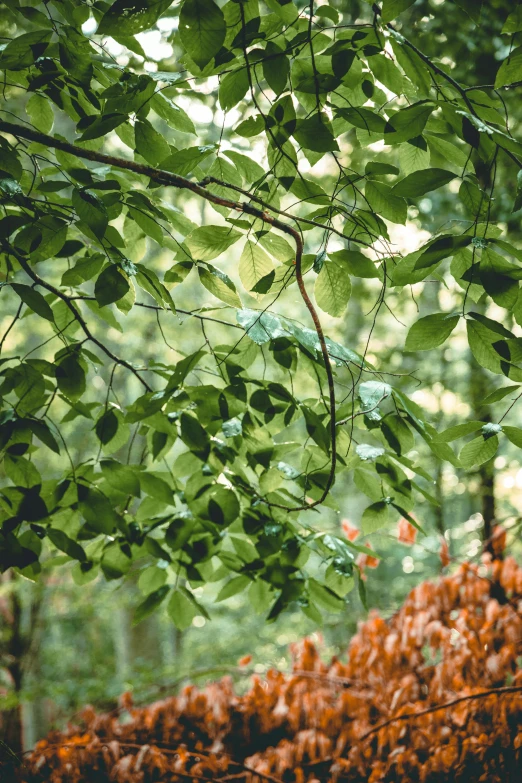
x: 229, y: 232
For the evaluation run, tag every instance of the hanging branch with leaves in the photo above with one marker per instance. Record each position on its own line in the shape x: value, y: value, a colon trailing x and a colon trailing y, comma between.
x: 213, y: 465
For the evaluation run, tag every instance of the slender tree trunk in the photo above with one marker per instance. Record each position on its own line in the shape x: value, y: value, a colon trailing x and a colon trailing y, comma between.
x: 34, y: 725
x: 11, y: 727
x: 479, y: 383
x: 439, y: 496
x: 430, y: 303
x: 171, y: 645
x: 486, y: 472
x: 121, y: 640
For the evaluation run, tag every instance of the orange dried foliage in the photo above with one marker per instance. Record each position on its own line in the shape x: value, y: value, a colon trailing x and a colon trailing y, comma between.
x: 366, y: 561
x: 444, y: 555
x: 451, y: 641
x: 406, y: 533
x: 350, y: 531
x: 498, y: 540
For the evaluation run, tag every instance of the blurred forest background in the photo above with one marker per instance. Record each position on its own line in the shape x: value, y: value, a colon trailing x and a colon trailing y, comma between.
x: 65, y: 644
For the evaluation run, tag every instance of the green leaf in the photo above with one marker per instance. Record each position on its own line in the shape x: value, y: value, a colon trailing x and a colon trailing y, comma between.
x: 156, y: 487
x: 120, y: 477
x: 511, y: 69
x: 500, y: 278
x: 365, y: 119
x: 107, y: 426
x: 178, y: 272
x: 420, y: 182
x: 308, y: 190
x: 232, y: 88
x: 260, y: 595
x: 374, y: 517
x: 129, y: 17
x: 236, y: 585
x: 276, y: 245
x: 316, y: 429
x: 65, y: 544
x: 208, y: 242
x: 75, y: 56
x: 430, y: 331
x: 325, y: 597
x: 251, y: 126
x: 368, y: 483
x: 202, y: 30
x: 333, y: 287
x: 376, y: 167
x: 102, y: 125
x: 173, y: 114
x: 155, y: 549
x: 392, y: 8
x: 458, y: 431
x: 371, y: 393
x: 91, y: 210
x: 260, y: 327
x: 182, y: 609
x: 492, y: 326
x: 514, y: 434
x: 34, y: 300
x: 110, y: 286
x: 248, y: 168
x: 219, y: 284
x: 412, y: 64
x: 481, y: 339
x: 449, y: 150
x: 21, y: 471
x: 43, y: 433
x: 438, y: 249
x: 70, y: 376
x: 315, y: 133
x: 194, y: 436
x: 150, y: 604
x: 10, y: 164
x: 276, y: 67
x: 97, y: 510
x: 355, y: 263
x: 148, y: 280
x: 151, y: 579
x: 473, y: 198
x: 114, y: 563
x: 150, y: 144
x: 414, y: 155
x: 385, y: 71
x: 510, y: 351
x: 254, y: 264
x: 513, y: 23
x: 499, y: 394
x: 40, y: 111
x: 24, y: 50
x: 382, y: 200
x: 179, y: 532
x: 478, y: 451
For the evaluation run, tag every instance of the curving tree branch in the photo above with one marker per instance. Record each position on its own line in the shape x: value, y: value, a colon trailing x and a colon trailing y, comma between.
x: 166, y: 178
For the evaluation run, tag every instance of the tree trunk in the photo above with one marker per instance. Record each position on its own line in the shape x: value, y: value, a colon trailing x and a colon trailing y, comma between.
x: 121, y: 640
x: 11, y: 727
x: 486, y: 472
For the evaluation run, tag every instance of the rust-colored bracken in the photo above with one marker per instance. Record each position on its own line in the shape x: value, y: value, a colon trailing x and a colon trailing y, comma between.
x: 432, y: 695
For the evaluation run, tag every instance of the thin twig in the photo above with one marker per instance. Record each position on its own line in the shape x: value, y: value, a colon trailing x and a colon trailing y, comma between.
x: 77, y: 315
